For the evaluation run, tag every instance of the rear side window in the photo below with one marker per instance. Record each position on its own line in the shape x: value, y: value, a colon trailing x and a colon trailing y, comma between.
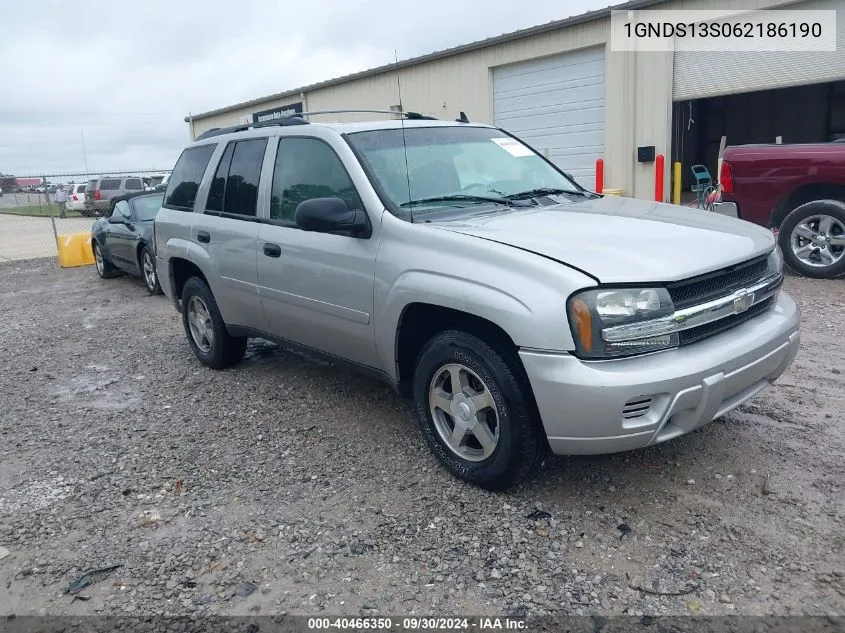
x: 186, y: 176
x: 235, y: 186
x: 134, y: 184
x: 218, y: 184
x: 109, y: 184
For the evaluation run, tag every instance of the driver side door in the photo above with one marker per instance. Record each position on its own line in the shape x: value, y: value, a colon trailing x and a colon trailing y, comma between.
x: 316, y: 288
x: 121, y: 237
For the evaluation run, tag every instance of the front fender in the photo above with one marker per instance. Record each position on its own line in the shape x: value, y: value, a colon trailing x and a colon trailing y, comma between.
x: 528, y: 324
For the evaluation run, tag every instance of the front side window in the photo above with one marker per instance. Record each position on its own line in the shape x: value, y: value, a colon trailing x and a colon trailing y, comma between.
x: 454, y: 161
x: 308, y: 168
x: 186, y: 177
x: 121, y: 210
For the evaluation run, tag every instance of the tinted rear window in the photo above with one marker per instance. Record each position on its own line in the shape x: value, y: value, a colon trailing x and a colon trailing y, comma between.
x: 110, y: 183
x: 80, y: 188
x: 185, y: 179
x: 134, y: 184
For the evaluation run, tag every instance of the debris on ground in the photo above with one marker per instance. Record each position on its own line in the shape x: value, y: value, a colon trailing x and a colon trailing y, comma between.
x: 89, y: 578
x: 536, y: 515
x: 245, y: 589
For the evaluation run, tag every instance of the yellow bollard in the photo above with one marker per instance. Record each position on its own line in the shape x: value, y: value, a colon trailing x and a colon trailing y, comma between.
x: 676, y: 183
x: 74, y: 250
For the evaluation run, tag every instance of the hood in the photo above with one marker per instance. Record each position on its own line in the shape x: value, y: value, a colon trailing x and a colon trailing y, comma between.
x: 622, y: 240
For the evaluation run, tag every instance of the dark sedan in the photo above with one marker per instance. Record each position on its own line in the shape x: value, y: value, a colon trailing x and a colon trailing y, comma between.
x: 123, y: 241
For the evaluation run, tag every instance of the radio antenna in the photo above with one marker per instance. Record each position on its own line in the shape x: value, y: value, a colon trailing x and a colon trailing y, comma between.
x: 404, y: 141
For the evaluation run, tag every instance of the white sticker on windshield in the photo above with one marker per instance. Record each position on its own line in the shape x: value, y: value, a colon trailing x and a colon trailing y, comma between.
x: 512, y: 146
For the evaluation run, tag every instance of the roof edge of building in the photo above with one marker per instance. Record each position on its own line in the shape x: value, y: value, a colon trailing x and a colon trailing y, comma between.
x: 588, y: 16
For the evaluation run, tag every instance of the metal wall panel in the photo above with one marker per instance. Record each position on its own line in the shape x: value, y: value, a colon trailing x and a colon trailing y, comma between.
x: 701, y: 74
x: 556, y: 104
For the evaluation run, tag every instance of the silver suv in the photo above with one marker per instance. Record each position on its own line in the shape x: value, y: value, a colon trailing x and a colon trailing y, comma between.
x: 523, y: 314
x: 100, y: 191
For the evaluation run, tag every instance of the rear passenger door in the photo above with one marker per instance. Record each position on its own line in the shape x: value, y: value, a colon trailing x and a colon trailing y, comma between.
x: 228, y: 231
x: 316, y: 288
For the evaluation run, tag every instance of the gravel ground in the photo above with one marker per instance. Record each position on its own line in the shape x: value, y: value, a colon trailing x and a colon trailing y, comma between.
x: 286, y: 485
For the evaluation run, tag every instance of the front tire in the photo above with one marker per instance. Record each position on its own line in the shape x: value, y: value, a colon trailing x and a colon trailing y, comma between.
x: 812, y: 239
x: 105, y: 269
x: 148, y: 271
x: 475, y: 409
x: 204, y: 327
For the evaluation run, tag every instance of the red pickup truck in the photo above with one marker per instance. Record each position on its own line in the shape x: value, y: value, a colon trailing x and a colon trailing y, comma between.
x: 797, y: 190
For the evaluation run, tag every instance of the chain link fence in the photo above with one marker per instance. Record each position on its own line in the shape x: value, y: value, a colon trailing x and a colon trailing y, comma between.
x: 34, y: 210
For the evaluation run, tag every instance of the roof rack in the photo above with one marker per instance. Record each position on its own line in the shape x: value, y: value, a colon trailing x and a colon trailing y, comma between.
x: 408, y: 115
x: 217, y: 131
x: 296, y: 119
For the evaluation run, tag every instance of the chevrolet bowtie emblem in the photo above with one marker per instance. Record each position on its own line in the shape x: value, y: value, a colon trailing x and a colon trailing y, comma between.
x: 742, y: 301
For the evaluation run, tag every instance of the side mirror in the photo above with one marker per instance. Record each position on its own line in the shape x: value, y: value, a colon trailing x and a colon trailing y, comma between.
x: 330, y: 215
x: 117, y: 219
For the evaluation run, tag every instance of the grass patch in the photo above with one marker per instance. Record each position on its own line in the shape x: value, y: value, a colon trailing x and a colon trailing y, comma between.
x: 40, y: 211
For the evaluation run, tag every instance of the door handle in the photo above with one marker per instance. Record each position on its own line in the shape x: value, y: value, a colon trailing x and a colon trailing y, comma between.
x: 272, y: 250
x: 203, y: 237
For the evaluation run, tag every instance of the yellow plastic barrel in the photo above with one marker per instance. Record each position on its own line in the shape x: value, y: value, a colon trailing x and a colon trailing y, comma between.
x: 612, y: 192
x: 74, y: 250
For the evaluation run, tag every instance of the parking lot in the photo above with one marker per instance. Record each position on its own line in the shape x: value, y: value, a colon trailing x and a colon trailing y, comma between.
x: 286, y: 485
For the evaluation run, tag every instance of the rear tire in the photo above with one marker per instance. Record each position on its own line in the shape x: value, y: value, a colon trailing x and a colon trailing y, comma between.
x: 147, y: 264
x: 812, y: 239
x: 204, y: 327
x: 484, y: 429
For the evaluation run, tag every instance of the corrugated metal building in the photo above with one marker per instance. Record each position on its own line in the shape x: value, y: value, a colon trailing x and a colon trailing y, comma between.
x: 561, y: 88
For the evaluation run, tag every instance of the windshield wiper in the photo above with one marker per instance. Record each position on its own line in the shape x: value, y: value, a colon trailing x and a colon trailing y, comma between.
x: 463, y: 197
x: 546, y: 191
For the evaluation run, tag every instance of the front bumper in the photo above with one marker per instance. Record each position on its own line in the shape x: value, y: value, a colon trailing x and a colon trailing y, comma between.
x: 583, y: 403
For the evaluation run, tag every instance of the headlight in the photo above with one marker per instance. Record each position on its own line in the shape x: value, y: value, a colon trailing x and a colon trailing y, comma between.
x: 592, y: 311
x: 775, y: 261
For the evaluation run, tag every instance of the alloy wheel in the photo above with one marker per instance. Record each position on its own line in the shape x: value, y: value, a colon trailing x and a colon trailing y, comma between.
x: 149, y: 271
x: 818, y: 241
x: 465, y: 414
x: 199, y: 322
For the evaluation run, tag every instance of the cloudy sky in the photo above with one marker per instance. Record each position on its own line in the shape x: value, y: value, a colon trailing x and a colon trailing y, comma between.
x: 123, y: 76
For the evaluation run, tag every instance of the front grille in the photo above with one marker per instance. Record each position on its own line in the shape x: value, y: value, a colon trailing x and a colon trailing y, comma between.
x: 709, y: 329
x: 717, y: 284
x: 636, y: 407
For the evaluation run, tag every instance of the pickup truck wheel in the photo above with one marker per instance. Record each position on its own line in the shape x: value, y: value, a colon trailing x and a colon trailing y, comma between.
x: 204, y: 327
x: 812, y: 238
x: 475, y: 413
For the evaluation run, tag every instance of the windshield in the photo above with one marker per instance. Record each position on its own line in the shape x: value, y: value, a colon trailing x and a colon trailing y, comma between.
x: 464, y: 165
x: 147, y: 206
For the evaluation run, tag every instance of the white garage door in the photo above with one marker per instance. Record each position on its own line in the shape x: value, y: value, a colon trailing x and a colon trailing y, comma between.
x: 701, y: 74
x: 556, y: 105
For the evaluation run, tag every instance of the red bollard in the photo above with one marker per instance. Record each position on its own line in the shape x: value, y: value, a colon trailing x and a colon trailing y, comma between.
x: 658, y: 178
x: 599, y: 175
